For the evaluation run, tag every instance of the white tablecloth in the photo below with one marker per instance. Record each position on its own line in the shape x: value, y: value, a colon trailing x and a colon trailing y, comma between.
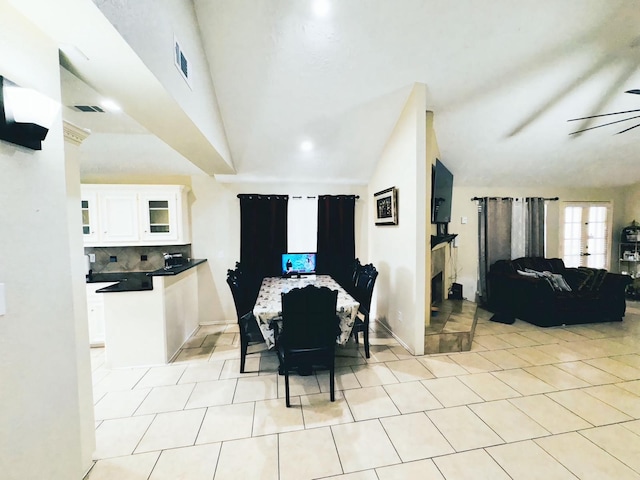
x: 269, y: 303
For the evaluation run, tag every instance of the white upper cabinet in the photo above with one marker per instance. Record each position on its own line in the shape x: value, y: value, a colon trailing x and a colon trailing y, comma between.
x: 119, y: 215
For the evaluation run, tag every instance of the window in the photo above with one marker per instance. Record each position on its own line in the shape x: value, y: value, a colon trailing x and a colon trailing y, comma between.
x: 586, y: 237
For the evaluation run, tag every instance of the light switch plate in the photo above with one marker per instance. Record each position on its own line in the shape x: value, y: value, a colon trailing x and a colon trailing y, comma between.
x: 3, y: 300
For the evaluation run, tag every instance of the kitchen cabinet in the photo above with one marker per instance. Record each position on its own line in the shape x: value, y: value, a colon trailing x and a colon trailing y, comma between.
x: 135, y: 215
x: 95, y: 313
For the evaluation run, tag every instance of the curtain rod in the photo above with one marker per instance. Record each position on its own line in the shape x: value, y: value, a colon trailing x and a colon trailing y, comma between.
x: 552, y: 199
x: 297, y: 197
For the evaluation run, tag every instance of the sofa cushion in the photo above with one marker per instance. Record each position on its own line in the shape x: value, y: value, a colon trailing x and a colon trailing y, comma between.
x: 555, y: 280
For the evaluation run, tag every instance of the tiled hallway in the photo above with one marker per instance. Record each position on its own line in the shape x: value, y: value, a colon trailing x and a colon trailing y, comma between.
x: 525, y: 403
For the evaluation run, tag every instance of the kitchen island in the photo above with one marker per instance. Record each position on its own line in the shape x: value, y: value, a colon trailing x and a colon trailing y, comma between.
x: 149, y: 315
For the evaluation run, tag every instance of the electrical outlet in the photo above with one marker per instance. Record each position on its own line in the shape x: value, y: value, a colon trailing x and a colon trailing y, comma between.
x: 92, y: 257
x: 399, y: 316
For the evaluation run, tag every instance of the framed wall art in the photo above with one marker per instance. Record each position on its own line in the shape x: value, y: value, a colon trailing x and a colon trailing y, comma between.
x: 386, y: 206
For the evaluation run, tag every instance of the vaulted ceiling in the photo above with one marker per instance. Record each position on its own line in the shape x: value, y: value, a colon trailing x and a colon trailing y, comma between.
x: 502, y: 78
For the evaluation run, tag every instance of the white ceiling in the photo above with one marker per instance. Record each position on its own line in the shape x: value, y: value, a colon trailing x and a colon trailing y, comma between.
x: 502, y: 77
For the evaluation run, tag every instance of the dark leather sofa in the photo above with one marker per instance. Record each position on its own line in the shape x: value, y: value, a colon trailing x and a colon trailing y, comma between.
x: 519, y: 289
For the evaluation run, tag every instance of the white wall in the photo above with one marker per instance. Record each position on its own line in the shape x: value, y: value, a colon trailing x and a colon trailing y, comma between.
x: 149, y: 26
x: 399, y: 252
x: 466, y: 253
x: 45, y: 402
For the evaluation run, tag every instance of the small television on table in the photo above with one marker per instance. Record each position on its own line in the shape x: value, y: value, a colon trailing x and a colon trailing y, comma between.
x: 298, y: 264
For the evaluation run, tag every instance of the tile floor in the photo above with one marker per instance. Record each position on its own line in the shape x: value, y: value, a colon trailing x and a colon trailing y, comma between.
x: 525, y: 403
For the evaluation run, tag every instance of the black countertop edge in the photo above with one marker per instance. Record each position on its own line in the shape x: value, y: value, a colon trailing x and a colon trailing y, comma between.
x: 177, y: 268
x: 137, y: 281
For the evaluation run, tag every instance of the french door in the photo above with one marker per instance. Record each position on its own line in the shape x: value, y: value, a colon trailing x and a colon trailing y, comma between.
x: 586, y: 238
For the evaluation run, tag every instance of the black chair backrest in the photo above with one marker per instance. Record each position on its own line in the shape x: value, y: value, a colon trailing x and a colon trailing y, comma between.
x: 364, y: 285
x: 241, y: 298
x: 309, y: 318
x: 357, y: 266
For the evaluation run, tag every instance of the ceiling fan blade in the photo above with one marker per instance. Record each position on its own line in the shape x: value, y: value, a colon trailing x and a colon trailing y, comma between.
x: 635, y: 90
x: 627, y: 129
x: 603, y: 115
x: 605, y: 124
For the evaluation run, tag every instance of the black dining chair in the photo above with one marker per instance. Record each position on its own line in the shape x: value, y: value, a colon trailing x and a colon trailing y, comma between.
x: 309, y: 330
x: 363, y: 292
x: 247, y: 323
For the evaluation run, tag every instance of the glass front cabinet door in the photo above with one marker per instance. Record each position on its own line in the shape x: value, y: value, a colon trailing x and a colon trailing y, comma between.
x: 159, y: 216
x: 89, y: 204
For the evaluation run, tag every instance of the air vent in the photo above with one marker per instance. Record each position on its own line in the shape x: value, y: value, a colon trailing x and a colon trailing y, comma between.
x: 181, y: 61
x: 89, y: 108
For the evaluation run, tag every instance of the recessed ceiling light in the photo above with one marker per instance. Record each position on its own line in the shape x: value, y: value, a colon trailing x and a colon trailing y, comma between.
x: 110, y: 105
x: 321, y: 7
x: 306, y: 146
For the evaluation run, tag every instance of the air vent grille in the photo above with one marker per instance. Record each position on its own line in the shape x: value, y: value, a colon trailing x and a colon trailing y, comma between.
x: 89, y: 108
x: 181, y: 62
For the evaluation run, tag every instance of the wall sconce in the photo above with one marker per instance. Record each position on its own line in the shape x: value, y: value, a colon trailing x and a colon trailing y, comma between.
x: 25, y: 115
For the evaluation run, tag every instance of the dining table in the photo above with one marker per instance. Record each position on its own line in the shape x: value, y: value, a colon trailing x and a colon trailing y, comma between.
x: 268, y: 306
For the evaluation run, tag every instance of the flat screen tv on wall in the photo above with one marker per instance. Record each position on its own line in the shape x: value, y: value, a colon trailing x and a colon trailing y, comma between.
x: 441, y: 193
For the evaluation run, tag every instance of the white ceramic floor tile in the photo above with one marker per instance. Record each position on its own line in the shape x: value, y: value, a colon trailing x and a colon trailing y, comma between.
x: 588, y: 407
x: 122, y: 379
x: 492, y: 342
x: 617, y: 441
x: 425, y: 469
x: 534, y: 355
x: 374, y: 374
x: 476, y: 465
x: 633, y: 387
x: 119, y: 404
x: 617, y: 397
x: 504, y: 359
x: 380, y: 353
x: 159, y: 376
x: 273, y: 416
x: 115, y: 438
x: 507, y: 421
x: 344, y: 379
x: 250, y: 389
x: 295, y: 461
x: 209, y: 394
x: 442, y: 366
x: 619, y: 369
x: 474, y: 363
x: 412, y: 397
x: 557, y: 378
x: 415, y: 437
x: 319, y: 411
x: 588, y: 373
x: 249, y: 458
x: 633, y: 426
x: 540, y: 337
x: 523, y: 382
x: 171, y: 430
x: 131, y: 467
x: 231, y: 367
x: 488, y: 387
x: 549, y: 414
x: 527, y: 461
x: 517, y: 340
x: 409, y: 370
x: 228, y: 422
x: 201, y: 372
x: 451, y: 392
x: 561, y: 352
x: 632, y: 360
x: 188, y: 463
x: 363, y: 445
x: 584, y: 459
x: 200, y: 354
x: 299, y: 385
x: 363, y: 475
x: 165, y: 399
x: 370, y: 402
x: 463, y: 429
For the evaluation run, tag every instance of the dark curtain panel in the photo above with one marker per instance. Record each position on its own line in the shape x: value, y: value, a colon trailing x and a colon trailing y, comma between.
x: 336, y: 236
x: 263, y: 234
x: 535, y: 227
x: 494, y: 238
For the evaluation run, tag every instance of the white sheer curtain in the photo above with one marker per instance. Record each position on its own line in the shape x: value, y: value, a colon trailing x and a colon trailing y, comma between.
x: 518, y: 228
x: 302, y: 224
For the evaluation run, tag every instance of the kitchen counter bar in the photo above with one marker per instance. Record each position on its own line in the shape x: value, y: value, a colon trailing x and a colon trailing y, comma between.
x: 138, y: 281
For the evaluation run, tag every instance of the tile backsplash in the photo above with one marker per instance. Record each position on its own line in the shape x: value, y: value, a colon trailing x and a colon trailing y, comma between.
x: 132, y: 259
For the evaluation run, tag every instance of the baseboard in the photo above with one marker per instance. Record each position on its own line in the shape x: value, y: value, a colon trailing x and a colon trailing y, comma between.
x: 398, y: 339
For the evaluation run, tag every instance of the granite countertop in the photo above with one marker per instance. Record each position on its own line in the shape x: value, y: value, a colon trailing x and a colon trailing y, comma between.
x: 137, y: 281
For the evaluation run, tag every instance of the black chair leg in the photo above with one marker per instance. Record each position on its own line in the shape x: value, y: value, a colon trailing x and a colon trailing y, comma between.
x: 332, y: 382
x: 243, y: 353
x: 286, y: 385
x: 366, y: 336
